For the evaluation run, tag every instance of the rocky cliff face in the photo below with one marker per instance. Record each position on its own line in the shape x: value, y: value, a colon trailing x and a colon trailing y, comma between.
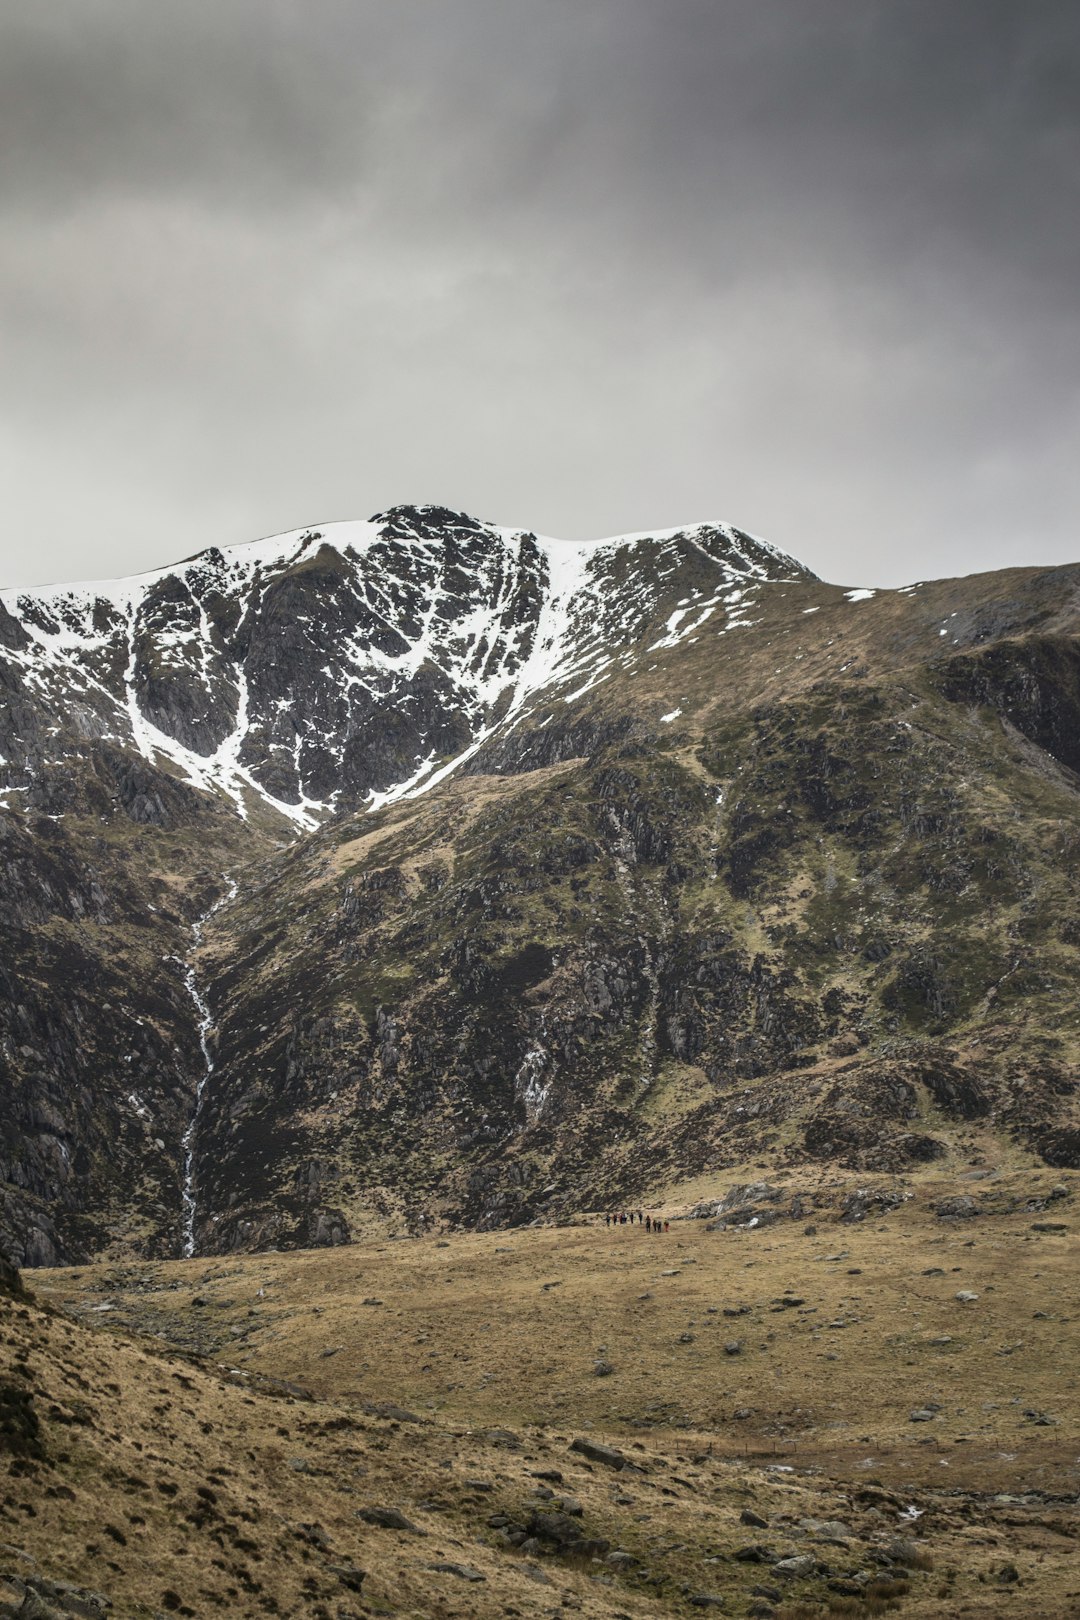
x: 544, y: 873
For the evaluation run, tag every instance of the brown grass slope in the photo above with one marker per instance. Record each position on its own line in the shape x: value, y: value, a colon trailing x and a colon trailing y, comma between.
x: 760, y: 1388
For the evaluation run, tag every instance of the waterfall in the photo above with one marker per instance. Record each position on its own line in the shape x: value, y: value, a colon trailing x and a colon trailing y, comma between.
x: 204, y: 1026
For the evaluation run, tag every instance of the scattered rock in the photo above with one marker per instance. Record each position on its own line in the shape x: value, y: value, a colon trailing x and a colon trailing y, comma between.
x: 348, y: 1575
x: 502, y: 1439
x: 756, y: 1520
x: 869, y: 1201
x: 797, y: 1568
x: 902, y: 1550
x: 733, y: 1347
x: 464, y: 1572
x: 966, y: 1297
x: 533, y: 1572
x: 608, y: 1455
x: 390, y: 1411
x: 826, y: 1529
x: 57, y: 1600
x: 389, y: 1519
x: 602, y: 1369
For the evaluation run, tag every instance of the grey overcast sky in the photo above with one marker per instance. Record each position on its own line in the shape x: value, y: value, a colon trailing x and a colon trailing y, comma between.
x: 585, y: 266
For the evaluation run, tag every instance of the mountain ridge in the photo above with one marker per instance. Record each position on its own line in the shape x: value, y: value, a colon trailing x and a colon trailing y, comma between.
x: 704, y: 862
x: 199, y: 642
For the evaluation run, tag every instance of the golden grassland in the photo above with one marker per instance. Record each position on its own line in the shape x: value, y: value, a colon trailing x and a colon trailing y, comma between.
x: 774, y: 1370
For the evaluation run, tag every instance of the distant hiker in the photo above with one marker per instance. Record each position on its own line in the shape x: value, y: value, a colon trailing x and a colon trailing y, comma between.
x: 607, y: 1220
x: 640, y: 1217
x: 622, y: 1219
x: 667, y: 1226
x: 648, y: 1223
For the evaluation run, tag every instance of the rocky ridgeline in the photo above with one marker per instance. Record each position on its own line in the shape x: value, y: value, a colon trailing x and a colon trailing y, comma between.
x: 305, y: 674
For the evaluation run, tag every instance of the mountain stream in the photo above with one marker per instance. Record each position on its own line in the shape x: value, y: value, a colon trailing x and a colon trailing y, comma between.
x: 204, y: 1026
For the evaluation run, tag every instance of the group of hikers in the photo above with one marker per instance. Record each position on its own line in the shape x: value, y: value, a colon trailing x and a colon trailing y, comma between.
x: 651, y: 1223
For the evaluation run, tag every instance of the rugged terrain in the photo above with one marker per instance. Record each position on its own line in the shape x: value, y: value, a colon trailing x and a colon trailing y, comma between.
x: 421, y: 874
x: 847, y: 1408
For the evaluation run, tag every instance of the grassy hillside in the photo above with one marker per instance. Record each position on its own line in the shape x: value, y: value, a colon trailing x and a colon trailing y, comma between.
x: 238, y: 1417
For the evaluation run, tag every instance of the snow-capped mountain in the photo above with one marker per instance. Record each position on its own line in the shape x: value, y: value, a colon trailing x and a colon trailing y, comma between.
x: 680, y: 859
x: 353, y: 663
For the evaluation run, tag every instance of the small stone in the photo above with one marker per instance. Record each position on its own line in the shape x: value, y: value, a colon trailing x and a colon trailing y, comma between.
x: 348, y: 1575
x: 464, y: 1572
x: 608, y: 1455
x: 795, y: 1569
x: 756, y: 1520
x: 535, y: 1573
x: 922, y: 1414
x: 966, y: 1297
x: 962, y: 1207
x: 602, y: 1369
x: 733, y: 1347
x: 903, y: 1551
x: 389, y: 1519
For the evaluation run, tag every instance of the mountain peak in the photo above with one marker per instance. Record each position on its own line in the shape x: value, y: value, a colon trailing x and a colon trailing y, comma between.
x: 266, y: 675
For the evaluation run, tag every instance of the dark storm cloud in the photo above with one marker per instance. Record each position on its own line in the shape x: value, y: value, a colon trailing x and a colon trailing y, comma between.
x: 583, y: 264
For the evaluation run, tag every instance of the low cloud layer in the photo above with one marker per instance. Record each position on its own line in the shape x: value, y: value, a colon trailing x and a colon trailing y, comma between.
x: 587, y: 266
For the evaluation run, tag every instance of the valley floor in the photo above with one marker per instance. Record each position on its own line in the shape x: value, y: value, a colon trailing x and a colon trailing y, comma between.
x: 809, y: 1420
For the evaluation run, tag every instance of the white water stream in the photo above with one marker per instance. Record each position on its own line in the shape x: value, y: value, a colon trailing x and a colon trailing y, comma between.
x: 205, y: 1025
